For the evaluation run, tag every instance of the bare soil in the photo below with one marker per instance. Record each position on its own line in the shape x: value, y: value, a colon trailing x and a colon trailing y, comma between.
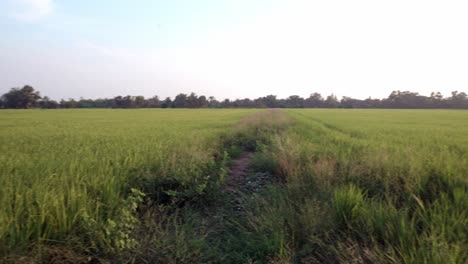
x: 239, y: 172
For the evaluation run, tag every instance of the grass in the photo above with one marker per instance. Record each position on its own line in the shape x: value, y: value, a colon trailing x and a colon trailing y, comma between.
x: 390, y: 185
x: 145, y: 186
x: 67, y: 175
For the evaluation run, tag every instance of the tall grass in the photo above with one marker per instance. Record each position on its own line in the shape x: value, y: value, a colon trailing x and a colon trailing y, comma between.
x: 390, y: 186
x: 212, y: 231
x: 347, y: 186
x: 66, y: 176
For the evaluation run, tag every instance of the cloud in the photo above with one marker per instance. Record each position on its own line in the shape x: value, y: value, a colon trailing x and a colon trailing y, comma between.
x: 33, y: 10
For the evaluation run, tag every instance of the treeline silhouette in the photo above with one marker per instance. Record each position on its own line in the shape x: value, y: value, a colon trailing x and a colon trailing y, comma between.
x: 27, y: 97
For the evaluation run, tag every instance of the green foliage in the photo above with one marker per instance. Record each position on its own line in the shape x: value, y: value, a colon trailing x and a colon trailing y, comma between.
x: 263, y: 161
x: 361, y: 186
x: 24, y: 97
x: 347, y: 203
x: 115, y: 234
x: 395, y: 181
x: 366, y: 186
x: 256, y: 130
x: 67, y: 176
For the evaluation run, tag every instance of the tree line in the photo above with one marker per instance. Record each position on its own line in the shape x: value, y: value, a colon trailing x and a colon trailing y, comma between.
x: 27, y: 97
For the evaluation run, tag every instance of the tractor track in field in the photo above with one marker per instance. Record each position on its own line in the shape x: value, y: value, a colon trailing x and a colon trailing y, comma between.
x: 240, y: 169
x: 243, y: 181
x: 349, y: 134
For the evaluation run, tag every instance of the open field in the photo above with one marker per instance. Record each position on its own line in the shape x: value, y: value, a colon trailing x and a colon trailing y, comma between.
x: 66, y: 175
x: 322, y: 186
x: 392, y: 185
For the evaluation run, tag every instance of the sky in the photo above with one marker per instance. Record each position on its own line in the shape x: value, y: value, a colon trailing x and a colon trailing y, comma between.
x: 233, y: 49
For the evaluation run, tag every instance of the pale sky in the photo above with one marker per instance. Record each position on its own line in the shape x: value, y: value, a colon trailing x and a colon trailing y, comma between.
x: 233, y: 49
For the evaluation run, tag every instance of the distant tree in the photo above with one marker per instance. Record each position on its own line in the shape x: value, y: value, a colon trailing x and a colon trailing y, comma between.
x: 103, y: 103
x: 331, y: 102
x: 212, y: 102
x: 153, y: 102
x: 243, y: 103
x: 71, y: 103
x: 129, y: 101
x: 271, y: 101
x: 348, y: 102
x: 437, y: 95
x: 180, y: 101
x: 62, y: 103
x: 237, y: 103
x: 226, y: 103
x: 406, y: 99
x: 24, y: 97
x: 436, y: 100
x: 372, y: 103
x: 139, y: 101
x: 202, y: 102
x: 315, y: 100
x: 126, y: 101
x: 46, y: 103
x: 85, y: 103
x: 294, y: 101
x: 27, y: 97
x: 167, y: 103
x: 459, y: 100
x: 192, y: 101
x: 118, y: 102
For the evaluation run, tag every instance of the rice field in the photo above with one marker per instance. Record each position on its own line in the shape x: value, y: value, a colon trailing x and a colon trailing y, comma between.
x: 390, y: 184
x: 66, y: 176
x: 146, y: 186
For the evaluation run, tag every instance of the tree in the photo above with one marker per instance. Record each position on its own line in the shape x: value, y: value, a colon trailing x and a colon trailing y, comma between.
x: 212, y: 102
x: 27, y: 97
x: 202, y: 102
x: 436, y: 100
x: 243, y: 103
x: 271, y: 101
x: 226, y: 103
x: 192, y: 101
x: 331, y: 102
x: 348, y: 102
x: 71, y: 103
x: 166, y: 103
x: 294, y: 101
x: 315, y: 100
x: 372, y: 103
x: 406, y: 99
x: 24, y: 97
x: 153, y: 102
x: 459, y: 100
x: 139, y: 101
x: 180, y: 101
x: 46, y: 103
x: 127, y: 101
x: 86, y: 103
x: 118, y: 102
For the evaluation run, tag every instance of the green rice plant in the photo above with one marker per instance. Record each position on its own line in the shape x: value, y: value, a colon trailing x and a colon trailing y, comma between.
x: 393, y: 179
x: 347, y: 202
x: 265, y: 234
x: 362, y: 186
x: 67, y: 175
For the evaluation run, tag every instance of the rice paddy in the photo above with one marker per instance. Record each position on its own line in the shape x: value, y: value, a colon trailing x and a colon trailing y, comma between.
x: 342, y: 186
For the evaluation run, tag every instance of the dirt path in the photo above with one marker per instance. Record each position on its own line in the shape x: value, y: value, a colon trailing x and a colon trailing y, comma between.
x: 239, y: 172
